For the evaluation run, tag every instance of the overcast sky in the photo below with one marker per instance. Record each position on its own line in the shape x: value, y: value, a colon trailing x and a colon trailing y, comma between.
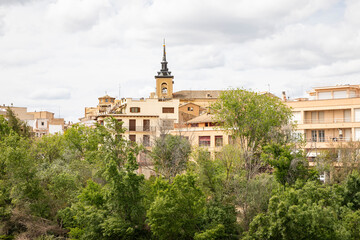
x: 61, y: 55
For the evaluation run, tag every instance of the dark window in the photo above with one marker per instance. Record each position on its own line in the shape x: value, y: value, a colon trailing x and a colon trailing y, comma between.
x: 321, y: 136
x: 190, y: 109
x: 218, y: 141
x: 132, y: 138
x: 146, y: 125
x: 314, y: 136
x: 135, y: 109
x: 168, y: 110
x: 106, y: 100
x: 132, y: 125
x: 146, y: 140
x: 206, y: 124
x: 204, y: 141
x: 42, y: 123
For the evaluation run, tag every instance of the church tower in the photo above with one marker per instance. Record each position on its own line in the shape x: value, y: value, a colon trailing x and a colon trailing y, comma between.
x: 164, y: 80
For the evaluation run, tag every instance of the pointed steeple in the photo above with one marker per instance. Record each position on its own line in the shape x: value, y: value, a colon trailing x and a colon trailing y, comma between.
x: 164, y: 71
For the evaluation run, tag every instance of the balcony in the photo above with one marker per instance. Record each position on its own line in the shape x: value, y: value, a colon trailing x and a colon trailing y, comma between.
x: 326, y: 120
x: 329, y: 139
x: 141, y: 128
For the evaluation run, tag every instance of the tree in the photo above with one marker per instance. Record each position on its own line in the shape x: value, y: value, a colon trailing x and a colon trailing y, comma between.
x: 304, y: 211
x: 113, y: 207
x: 16, y: 124
x: 254, y: 120
x: 170, y: 155
x: 177, y: 211
x: 289, y: 165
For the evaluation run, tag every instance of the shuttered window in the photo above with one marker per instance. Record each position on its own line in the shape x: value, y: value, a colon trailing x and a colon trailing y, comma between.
x: 204, y: 141
x: 168, y: 110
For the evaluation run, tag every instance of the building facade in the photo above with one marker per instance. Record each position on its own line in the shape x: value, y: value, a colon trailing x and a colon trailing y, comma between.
x: 41, y: 123
x: 329, y: 118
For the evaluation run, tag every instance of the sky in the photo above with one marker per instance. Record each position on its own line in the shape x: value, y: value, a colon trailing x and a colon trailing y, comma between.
x: 61, y: 55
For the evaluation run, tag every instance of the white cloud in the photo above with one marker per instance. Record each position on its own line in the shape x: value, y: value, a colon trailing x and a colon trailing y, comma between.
x: 66, y: 53
x: 51, y: 94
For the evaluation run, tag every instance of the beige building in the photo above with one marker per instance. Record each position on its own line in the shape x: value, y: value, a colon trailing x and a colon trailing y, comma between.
x: 202, y: 132
x: 329, y: 117
x: 41, y: 123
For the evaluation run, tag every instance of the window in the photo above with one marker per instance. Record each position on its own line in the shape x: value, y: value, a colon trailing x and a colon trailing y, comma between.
x: 146, y: 125
x: 314, y: 117
x: 321, y: 136
x: 168, y: 110
x: 324, y: 95
x: 146, y: 140
x: 204, y: 141
x: 132, y: 138
x: 194, y: 125
x: 132, y: 125
x: 42, y: 123
x: 357, y: 114
x: 106, y: 100
x: 135, y: 109
x: 313, y: 135
x: 190, y: 109
x: 347, y: 115
x: 206, y: 124
x: 218, y: 141
x: 340, y: 94
x: 231, y: 139
x: 321, y: 117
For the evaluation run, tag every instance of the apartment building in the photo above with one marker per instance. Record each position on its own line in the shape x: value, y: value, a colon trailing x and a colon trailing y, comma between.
x: 329, y: 117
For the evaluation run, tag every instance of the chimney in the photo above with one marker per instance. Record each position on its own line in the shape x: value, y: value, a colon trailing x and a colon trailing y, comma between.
x: 284, y: 96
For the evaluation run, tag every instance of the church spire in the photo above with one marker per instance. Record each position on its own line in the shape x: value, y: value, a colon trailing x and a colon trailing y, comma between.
x: 164, y: 54
x: 164, y: 72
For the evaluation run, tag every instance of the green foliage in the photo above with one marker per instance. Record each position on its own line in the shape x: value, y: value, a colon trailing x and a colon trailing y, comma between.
x: 16, y: 124
x: 170, y: 155
x: 309, y: 211
x: 176, y: 212
x: 257, y: 118
x: 113, y: 209
x: 288, y: 164
x: 351, y: 192
x: 254, y: 120
x: 216, y: 233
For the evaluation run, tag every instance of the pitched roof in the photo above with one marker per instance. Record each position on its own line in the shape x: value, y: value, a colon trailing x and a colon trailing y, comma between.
x: 202, y: 119
x: 186, y: 94
x: 106, y: 96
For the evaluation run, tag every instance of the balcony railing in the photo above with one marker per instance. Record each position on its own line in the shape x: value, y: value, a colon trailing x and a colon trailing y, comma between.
x: 140, y: 128
x: 330, y: 139
x: 326, y: 120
